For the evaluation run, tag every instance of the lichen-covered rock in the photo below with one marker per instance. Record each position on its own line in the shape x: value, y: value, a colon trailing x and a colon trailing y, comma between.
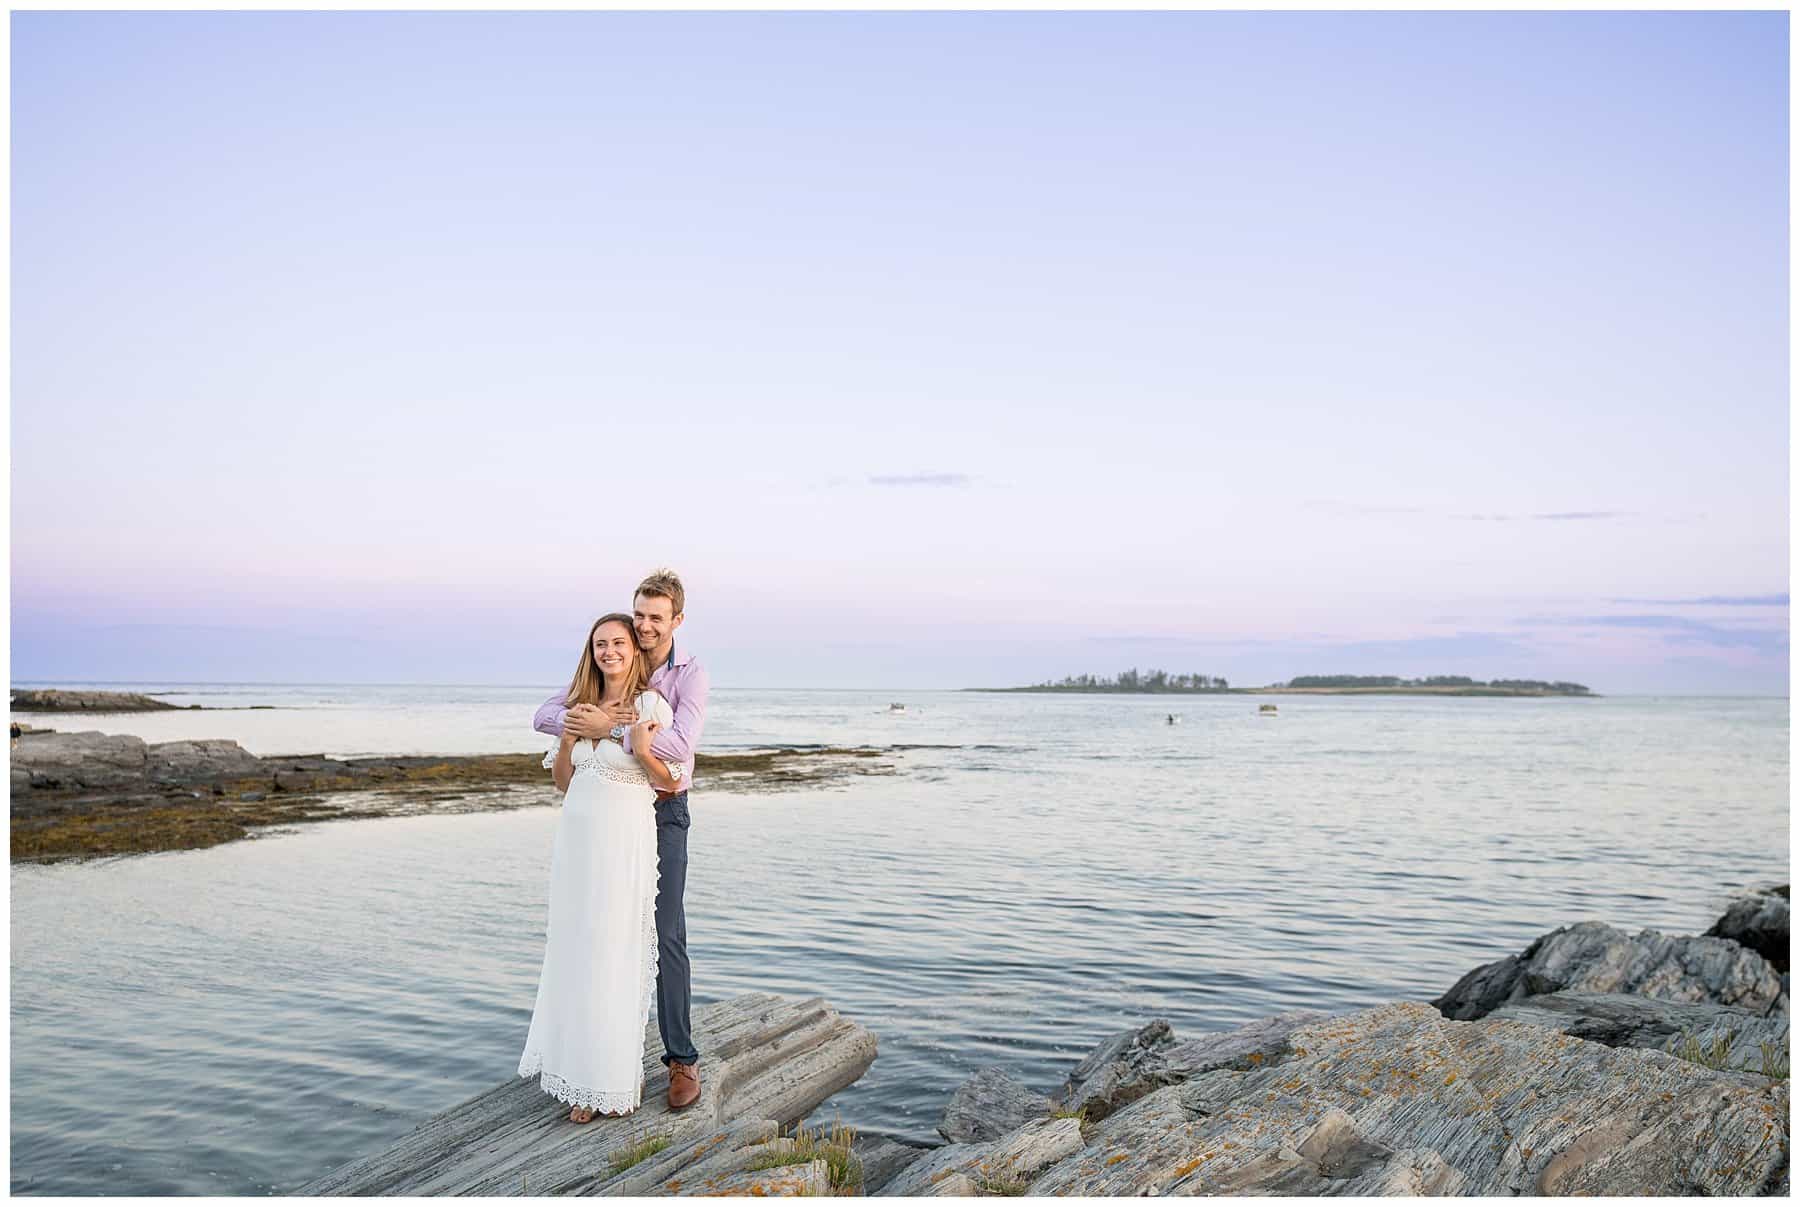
x: 1398, y: 1099
x: 1010, y: 1161
x: 1592, y: 957
x: 1758, y: 921
x: 988, y: 1105
x: 1334, y: 1158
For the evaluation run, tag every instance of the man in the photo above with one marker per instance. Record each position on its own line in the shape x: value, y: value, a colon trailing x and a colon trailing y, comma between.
x: 656, y: 613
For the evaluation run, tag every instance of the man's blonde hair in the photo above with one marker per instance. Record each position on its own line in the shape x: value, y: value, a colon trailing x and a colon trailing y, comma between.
x: 664, y: 584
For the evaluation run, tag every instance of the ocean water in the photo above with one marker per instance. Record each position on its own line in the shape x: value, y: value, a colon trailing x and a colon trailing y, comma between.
x: 1043, y: 871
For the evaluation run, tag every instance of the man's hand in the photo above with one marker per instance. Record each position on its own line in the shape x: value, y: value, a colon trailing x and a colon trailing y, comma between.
x: 620, y: 714
x: 587, y: 721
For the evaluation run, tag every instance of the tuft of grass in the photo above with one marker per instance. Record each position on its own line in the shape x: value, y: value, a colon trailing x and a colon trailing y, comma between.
x: 1005, y: 1185
x: 1715, y: 1056
x: 843, y: 1167
x: 1774, y: 1059
x: 631, y: 1154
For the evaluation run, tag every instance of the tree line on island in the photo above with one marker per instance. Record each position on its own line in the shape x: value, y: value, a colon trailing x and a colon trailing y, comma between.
x: 1559, y: 686
x: 1155, y: 681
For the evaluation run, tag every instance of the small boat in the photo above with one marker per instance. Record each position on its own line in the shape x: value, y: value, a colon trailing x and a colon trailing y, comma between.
x: 1266, y: 710
x: 896, y: 708
x: 1174, y: 718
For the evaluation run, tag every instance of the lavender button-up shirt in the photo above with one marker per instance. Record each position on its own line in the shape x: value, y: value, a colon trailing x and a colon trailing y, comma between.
x: 680, y: 680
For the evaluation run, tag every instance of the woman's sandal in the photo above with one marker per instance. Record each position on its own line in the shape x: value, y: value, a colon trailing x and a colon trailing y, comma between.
x: 581, y: 1114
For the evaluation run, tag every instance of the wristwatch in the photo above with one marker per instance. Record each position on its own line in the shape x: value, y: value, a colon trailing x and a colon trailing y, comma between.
x: 618, y: 733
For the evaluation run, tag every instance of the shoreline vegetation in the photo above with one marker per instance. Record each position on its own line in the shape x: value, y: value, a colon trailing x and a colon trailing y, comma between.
x: 88, y: 794
x: 1159, y: 683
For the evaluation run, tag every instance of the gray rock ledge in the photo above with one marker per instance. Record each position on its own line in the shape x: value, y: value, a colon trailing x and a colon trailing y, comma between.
x: 765, y: 1061
x: 1592, y: 957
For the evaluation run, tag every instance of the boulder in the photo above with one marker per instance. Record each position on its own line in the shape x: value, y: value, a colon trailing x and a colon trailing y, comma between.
x: 1398, y: 1099
x: 989, y: 1105
x: 194, y: 761
x: 883, y: 1158
x: 766, y: 1061
x: 1003, y: 1165
x: 1132, y: 1063
x: 1592, y: 957
x: 1744, y: 1041
x: 1758, y: 921
x: 88, y: 759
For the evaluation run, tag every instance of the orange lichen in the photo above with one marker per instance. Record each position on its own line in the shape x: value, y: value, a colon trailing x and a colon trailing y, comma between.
x: 1115, y: 1159
x: 1187, y: 1167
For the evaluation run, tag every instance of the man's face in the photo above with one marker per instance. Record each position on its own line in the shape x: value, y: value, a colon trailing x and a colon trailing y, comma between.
x: 654, y: 618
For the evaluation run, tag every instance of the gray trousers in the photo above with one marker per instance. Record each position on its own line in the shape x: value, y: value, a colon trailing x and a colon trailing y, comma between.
x: 673, y: 979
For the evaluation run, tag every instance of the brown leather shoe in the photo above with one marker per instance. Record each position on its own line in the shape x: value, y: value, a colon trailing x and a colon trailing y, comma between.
x: 684, y: 1085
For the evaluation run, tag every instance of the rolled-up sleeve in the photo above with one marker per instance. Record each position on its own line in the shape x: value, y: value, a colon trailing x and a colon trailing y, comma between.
x: 677, y: 742
x: 550, y: 714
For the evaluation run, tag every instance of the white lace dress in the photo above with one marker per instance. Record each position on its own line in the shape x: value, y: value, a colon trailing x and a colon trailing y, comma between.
x: 586, y: 1043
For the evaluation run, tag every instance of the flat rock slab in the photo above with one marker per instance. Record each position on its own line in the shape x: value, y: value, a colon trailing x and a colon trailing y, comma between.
x: 1623, y: 1020
x: 1592, y: 957
x: 1399, y: 1099
x: 765, y: 1060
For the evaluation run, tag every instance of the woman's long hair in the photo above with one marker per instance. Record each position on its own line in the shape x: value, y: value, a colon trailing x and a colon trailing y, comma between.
x: 588, y: 684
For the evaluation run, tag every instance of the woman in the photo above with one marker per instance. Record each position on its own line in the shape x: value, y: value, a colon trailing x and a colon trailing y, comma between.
x: 586, y: 1042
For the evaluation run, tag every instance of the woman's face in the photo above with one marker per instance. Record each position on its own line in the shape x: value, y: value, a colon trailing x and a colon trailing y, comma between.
x: 614, y: 648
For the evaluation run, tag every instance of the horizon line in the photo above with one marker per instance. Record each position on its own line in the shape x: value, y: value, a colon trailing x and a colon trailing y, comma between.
x: 741, y: 687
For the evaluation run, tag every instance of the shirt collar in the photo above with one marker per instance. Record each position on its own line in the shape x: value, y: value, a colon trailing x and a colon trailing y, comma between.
x: 677, y: 657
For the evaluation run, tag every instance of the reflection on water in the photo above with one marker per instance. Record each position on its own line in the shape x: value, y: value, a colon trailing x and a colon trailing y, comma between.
x: 244, y: 1018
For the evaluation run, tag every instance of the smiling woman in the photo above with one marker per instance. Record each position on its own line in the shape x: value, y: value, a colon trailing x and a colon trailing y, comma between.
x: 585, y: 1044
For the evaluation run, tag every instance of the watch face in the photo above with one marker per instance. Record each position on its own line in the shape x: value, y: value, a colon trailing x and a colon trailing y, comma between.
x: 618, y: 731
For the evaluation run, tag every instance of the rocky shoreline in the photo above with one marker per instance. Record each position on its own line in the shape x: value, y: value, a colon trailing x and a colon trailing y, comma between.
x: 77, y: 795
x: 58, y: 700
x: 1594, y: 1062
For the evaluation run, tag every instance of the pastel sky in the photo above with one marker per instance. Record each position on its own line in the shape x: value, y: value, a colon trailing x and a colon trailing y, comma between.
x: 931, y: 349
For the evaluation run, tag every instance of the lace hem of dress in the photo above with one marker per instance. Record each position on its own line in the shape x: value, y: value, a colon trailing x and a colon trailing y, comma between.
x: 576, y: 1095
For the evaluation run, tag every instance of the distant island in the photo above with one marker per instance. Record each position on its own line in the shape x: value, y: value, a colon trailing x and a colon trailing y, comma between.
x: 1157, y: 682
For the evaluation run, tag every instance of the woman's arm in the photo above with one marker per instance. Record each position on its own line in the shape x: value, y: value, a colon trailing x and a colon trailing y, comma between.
x: 642, y: 734
x: 564, y: 768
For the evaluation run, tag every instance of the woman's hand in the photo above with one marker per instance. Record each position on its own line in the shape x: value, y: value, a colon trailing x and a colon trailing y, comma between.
x: 642, y: 734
